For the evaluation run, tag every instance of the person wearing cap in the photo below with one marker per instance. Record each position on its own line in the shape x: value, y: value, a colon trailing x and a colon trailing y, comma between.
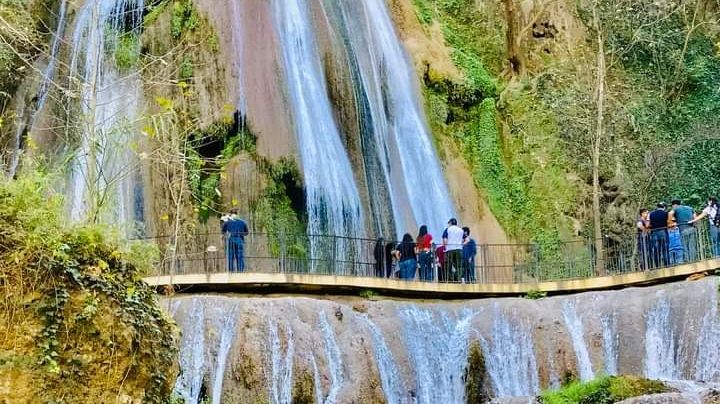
x: 452, y: 239
x: 658, y: 236
x: 684, y: 216
x: 234, y: 230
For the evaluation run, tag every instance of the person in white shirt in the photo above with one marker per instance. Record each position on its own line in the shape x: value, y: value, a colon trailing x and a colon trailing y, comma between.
x: 452, y: 239
x: 711, y: 211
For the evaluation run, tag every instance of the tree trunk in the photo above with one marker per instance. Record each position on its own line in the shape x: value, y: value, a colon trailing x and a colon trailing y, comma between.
x: 596, y: 143
x: 513, y: 43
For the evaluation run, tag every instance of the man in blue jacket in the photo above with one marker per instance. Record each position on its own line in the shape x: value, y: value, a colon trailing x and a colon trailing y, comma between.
x: 234, y: 230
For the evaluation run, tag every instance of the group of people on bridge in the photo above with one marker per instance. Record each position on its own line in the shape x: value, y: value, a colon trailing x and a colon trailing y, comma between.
x: 670, y: 237
x: 452, y: 260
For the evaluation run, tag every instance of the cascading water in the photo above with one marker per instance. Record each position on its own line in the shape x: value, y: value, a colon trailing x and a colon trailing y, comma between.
x: 192, y: 353
x: 334, y: 359
x: 707, y: 366
x: 281, y: 364
x: 575, y: 329
x: 404, y: 353
x: 389, y: 374
x: 43, y: 91
x: 103, y: 166
x: 610, y: 343
x: 438, y: 347
x: 401, y: 140
x: 510, y: 357
x: 333, y: 201
x: 227, y: 320
x: 661, y: 361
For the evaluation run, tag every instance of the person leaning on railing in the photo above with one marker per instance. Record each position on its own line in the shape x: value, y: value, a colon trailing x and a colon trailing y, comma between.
x: 684, y: 217
x: 425, y: 258
x: 712, y: 212
x: 643, y: 229
x: 453, y: 241
x: 234, y: 231
x: 406, y: 256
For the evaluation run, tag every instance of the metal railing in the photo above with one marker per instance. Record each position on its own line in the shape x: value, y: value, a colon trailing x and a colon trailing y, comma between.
x: 493, y: 263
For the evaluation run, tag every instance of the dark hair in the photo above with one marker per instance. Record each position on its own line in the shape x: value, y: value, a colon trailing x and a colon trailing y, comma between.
x: 676, y: 202
x: 452, y: 222
x: 423, y: 231
x: 661, y: 205
x: 642, y: 210
x: 234, y: 211
x: 713, y: 201
x: 407, y: 238
x: 466, y: 230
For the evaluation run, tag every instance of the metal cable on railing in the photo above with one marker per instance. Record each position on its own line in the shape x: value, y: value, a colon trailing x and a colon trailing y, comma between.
x: 493, y: 263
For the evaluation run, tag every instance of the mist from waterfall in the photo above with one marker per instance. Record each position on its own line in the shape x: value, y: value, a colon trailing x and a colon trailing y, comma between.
x: 661, y: 346
x: 103, y: 166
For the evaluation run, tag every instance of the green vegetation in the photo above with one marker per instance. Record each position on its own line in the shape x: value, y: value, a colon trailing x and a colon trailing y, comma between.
x: 603, y: 390
x: 127, y: 51
x: 527, y: 135
x: 535, y: 294
x: 476, y: 376
x: 77, y: 322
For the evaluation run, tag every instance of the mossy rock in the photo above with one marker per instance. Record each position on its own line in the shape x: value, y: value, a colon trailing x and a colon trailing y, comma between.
x: 476, y: 382
x: 603, y: 390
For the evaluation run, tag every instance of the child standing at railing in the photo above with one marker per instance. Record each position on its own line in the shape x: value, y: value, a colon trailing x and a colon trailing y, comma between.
x: 675, y: 245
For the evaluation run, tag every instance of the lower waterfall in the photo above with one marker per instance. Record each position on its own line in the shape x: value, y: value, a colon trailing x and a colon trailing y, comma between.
x: 341, y: 349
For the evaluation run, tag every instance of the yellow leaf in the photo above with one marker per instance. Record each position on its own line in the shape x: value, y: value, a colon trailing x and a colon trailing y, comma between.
x: 235, y: 202
x: 164, y: 103
x: 165, y: 217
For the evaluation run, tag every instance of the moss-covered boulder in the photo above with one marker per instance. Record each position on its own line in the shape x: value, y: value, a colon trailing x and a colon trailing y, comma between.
x: 603, y: 390
x: 77, y: 323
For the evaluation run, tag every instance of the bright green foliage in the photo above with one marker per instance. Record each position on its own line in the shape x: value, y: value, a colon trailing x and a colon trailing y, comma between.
x: 20, y: 36
x: 127, y: 51
x: 603, y: 390
x: 535, y: 294
x: 273, y: 212
x: 78, y: 322
x: 184, y: 18
x: 186, y: 69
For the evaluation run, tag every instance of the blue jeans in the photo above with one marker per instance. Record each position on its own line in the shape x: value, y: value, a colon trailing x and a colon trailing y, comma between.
x: 659, y: 248
x: 407, y: 268
x: 715, y: 240
x: 235, y: 256
x: 690, y: 242
x: 643, y: 252
x: 469, y: 270
x: 676, y: 257
x: 426, y: 270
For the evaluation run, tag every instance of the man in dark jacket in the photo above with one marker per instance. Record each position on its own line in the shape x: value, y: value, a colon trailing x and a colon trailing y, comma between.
x: 234, y: 230
x: 659, y: 236
x: 469, y: 253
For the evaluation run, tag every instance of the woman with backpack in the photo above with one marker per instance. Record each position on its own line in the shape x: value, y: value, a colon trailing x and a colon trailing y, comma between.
x: 712, y: 212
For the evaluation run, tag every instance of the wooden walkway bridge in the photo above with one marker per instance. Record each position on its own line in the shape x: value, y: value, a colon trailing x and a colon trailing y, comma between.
x: 281, y: 264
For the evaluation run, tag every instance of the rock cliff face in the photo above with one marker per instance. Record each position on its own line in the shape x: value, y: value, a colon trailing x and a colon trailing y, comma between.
x: 353, y: 350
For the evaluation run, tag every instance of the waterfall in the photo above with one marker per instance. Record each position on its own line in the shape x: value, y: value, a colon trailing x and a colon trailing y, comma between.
x: 661, y: 350
x: 389, y: 374
x: 510, y: 357
x: 610, y: 343
x: 409, y: 165
x: 438, y: 347
x: 227, y: 322
x: 281, y: 365
x: 192, y: 353
x: 103, y: 167
x: 575, y: 329
x: 707, y: 366
x: 333, y: 201
x: 334, y: 359
x: 43, y: 91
